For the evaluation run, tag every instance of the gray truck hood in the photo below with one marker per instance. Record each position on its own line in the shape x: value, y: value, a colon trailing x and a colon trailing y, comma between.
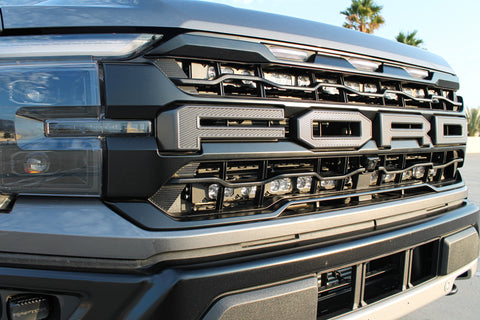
x: 209, y: 17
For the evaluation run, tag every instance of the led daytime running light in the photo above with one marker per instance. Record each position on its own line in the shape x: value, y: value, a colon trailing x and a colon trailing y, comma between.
x: 290, y: 53
x: 84, y: 127
x: 365, y: 65
x: 417, y: 73
x: 99, y: 45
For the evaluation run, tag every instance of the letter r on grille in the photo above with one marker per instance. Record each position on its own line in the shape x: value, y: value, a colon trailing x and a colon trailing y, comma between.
x: 403, y: 126
x: 182, y: 129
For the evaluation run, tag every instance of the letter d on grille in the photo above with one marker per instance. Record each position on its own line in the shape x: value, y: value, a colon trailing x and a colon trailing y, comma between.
x: 183, y: 128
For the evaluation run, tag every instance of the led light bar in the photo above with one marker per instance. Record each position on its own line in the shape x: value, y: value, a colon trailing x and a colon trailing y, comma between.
x: 417, y: 73
x: 94, y: 127
x: 365, y: 65
x: 30, y: 307
x: 98, y: 45
x: 4, y: 201
x: 290, y: 53
x: 419, y: 172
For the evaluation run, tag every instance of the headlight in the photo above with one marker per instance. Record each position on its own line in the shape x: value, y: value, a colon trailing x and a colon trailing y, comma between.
x: 51, y: 121
x: 31, y: 161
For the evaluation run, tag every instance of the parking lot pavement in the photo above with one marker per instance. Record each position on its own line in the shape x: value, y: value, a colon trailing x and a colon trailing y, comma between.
x: 465, y: 304
x: 471, y: 175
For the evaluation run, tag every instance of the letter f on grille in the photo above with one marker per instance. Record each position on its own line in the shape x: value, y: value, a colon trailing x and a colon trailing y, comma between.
x: 183, y: 129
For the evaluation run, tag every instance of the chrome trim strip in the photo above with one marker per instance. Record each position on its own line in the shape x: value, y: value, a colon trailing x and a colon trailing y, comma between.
x: 259, y: 183
x: 316, y: 175
x: 427, y: 164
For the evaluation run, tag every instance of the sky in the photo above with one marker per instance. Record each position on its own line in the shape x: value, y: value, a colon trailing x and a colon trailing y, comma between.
x: 448, y: 28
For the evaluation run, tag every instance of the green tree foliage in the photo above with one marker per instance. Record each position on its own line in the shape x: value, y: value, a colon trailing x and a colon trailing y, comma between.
x: 409, y: 38
x: 363, y: 15
x: 473, y: 122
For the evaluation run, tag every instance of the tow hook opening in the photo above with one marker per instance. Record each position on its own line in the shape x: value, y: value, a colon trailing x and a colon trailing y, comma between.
x: 453, y: 291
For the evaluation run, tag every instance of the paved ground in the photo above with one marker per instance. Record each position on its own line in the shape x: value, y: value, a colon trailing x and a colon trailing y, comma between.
x: 465, y: 305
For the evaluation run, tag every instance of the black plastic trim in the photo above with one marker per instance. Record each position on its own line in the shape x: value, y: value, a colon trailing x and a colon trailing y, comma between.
x: 100, y: 296
x: 186, y: 45
x: 1, y: 21
x: 135, y: 162
x: 215, y: 48
x: 148, y: 217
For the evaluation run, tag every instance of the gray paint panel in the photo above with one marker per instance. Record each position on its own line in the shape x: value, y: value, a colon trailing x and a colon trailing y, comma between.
x: 201, y: 16
x: 87, y: 228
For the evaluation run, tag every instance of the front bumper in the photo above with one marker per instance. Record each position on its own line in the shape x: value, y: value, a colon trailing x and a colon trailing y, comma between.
x: 279, y: 285
x: 83, y: 233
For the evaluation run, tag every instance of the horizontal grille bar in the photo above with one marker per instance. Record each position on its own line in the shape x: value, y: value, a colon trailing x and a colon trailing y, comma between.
x: 304, y: 174
x: 317, y: 86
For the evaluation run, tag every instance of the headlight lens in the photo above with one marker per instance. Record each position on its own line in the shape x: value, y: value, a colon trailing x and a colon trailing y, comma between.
x: 56, y: 45
x: 51, y: 121
x: 32, y: 162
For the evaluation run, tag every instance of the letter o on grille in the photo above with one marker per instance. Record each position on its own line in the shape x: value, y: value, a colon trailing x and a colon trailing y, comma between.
x: 306, y: 129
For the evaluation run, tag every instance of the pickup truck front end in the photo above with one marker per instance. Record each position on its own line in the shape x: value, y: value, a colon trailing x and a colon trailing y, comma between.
x: 184, y: 160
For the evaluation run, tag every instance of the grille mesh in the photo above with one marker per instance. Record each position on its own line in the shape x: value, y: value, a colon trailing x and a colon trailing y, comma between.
x: 234, y: 80
x: 232, y: 188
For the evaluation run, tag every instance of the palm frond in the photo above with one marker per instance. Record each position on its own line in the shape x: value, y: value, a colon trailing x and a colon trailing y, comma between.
x: 473, y: 121
x: 363, y: 15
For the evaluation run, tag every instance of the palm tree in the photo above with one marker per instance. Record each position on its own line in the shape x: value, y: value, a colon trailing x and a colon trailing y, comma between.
x: 473, y: 121
x: 363, y: 15
x: 409, y: 38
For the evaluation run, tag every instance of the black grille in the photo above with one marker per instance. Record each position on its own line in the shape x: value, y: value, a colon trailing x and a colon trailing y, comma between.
x: 303, y: 185
x: 207, y: 78
x: 331, y: 178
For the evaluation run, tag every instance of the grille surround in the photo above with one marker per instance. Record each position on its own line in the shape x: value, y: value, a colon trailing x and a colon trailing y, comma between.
x: 206, y: 81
